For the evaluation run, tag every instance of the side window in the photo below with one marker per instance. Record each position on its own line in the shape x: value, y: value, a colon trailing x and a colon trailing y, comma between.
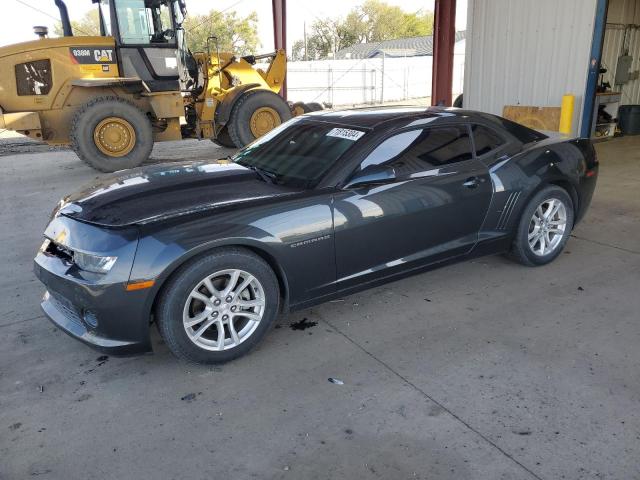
x: 33, y: 78
x: 420, y: 150
x: 141, y: 24
x: 133, y: 22
x: 486, y: 140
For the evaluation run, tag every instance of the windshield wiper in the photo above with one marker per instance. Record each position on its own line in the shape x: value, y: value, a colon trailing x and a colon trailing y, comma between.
x: 265, y: 175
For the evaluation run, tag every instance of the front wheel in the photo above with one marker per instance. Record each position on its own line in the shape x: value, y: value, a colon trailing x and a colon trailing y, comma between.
x: 544, y: 228
x: 223, y: 139
x: 217, y: 307
x: 109, y: 133
x: 256, y: 113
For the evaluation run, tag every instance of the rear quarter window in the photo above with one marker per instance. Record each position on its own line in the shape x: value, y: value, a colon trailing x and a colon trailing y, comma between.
x: 520, y: 132
x: 486, y: 140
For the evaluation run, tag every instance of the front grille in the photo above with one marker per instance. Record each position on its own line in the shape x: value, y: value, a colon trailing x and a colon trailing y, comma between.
x: 65, y: 307
x: 59, y: 251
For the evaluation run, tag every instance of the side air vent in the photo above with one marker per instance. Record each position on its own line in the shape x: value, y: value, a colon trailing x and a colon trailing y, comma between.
x: 507, y: 210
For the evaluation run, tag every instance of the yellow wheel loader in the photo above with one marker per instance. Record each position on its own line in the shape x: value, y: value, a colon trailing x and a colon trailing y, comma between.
x: 112, y: 96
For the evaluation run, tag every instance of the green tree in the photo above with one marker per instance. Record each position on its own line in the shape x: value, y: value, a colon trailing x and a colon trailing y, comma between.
x: 89, y: 24
x: 235, y: 34
x: 373, y: 21
x: 297, y: 50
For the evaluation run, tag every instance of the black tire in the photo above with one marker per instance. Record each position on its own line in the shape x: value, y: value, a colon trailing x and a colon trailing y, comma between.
x: 314, y: 107
x: 223, y: 139
x: 239, y: 121
x: 175, y: 293
x: 521, y: 251
x: 458, y: 101
x: 87, y: 118
x: 300, y: 108
x: 307, y: 107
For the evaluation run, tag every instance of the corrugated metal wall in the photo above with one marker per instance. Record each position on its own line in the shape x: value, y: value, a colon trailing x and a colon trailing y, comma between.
x: 623, y: 36
x: 523, y: 52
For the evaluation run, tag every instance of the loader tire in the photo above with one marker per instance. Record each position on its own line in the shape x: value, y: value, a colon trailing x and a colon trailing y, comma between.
x: 314, y: 107
x: 254, y: 114
x: 300, y: 108
x: 223, y: 139
x: 109, y: 133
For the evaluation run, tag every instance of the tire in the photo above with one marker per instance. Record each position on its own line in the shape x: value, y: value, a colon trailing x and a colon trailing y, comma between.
x: 300, y: 108
x: 540, y: 252
x: 458, y: 101
x: 250, y: 103
x: 314, y: 107
x: 176, y: 306
x: 223, y: 139
x: 93, y: 120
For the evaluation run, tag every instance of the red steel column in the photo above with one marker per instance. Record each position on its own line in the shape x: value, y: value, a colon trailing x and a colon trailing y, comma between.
x: 280, y: 32
x: 444, y: 37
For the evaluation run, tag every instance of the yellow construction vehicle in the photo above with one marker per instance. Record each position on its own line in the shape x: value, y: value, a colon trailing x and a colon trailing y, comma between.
x: 112, y: 96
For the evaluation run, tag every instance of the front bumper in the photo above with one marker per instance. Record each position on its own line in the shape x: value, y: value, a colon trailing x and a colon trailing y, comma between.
x: 66, y: 318
x: 122, y: 326
x: 94, y: 308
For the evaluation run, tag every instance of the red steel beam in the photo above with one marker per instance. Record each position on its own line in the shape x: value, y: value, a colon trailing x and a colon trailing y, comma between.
x: 280, y: 32
x: 444, y: 37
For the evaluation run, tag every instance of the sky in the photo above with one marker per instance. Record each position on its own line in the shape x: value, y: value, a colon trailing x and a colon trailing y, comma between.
x: 19, y: 24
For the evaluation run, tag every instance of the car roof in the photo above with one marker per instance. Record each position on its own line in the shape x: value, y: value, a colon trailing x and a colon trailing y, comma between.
x: 372, y: 117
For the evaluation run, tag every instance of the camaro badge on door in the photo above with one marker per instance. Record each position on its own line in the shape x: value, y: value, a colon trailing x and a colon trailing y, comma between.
x: 310, y: 241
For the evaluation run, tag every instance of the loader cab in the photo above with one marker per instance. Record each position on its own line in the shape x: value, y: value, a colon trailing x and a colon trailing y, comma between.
x: 149, y: 38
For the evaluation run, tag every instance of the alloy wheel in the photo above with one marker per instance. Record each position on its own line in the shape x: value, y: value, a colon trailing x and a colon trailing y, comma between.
x: 224, y: 310
x: 547, y: 227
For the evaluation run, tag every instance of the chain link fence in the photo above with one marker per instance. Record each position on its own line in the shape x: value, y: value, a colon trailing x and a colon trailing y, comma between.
x: 366, y: 81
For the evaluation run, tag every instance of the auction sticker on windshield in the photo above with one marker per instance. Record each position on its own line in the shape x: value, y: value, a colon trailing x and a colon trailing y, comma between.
x: 345, y: 133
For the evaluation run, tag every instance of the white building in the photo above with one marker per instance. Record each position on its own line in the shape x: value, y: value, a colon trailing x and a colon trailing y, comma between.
x: 532, y: 53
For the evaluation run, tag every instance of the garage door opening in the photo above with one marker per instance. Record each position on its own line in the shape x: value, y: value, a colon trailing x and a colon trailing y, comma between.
x: 618, y: 93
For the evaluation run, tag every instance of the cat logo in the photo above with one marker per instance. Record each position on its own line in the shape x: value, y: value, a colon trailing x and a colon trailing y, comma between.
x: 92, y: 55
x: 103, y: 56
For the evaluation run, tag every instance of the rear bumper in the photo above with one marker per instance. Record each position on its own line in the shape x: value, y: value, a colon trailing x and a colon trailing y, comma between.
x: 586, y: 189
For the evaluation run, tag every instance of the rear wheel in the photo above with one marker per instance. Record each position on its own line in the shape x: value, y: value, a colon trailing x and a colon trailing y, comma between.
x: 254, y: 114
x: 223, y: 139
x: 544, y: 228
x: 314, y: 106
x: 109, y: 134
x: 217, y: 307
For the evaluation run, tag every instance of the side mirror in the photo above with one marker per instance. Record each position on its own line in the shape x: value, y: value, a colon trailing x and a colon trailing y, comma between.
x: 374, y: 175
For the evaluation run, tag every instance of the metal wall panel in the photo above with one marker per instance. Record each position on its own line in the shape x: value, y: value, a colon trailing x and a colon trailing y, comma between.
x: 523, y: 52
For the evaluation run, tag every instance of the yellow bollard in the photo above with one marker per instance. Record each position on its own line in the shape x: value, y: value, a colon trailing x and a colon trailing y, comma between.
x: 566, y: 114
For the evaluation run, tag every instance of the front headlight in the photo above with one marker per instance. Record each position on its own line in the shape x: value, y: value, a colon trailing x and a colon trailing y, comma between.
x: 93, y: 263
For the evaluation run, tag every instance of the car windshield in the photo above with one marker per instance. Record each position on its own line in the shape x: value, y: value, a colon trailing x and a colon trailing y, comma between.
x: 299, y: 152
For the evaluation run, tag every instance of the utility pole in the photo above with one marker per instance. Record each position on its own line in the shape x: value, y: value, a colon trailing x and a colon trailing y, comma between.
x: 304, y: 26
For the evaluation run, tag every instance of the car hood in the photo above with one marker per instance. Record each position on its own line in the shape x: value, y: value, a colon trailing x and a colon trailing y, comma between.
x: 150, y: 194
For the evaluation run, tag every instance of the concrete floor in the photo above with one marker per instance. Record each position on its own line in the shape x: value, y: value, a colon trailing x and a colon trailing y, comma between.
x: 482, y: 370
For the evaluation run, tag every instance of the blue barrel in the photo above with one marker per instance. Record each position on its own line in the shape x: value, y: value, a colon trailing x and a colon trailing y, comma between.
x: 629, y: 119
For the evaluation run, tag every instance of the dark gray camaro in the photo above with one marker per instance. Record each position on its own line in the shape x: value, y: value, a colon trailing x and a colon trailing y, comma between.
x: 324, y: 205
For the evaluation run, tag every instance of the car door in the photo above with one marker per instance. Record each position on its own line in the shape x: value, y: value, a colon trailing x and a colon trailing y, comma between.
x: 430, y: 211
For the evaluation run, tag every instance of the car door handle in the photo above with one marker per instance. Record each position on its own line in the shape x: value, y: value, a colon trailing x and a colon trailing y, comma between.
x: 471, y: 182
